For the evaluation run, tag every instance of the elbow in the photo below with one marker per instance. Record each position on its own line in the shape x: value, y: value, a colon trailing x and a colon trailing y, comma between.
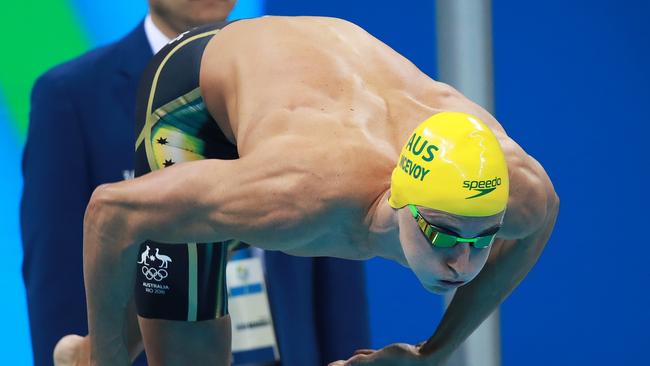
x: 553, y: 207
x: 546, y: 206
x: 96, y: 208
x: 106, y: 218
x: 554, y: 203
x: 544, y: 216
x: 533, y: 204
x: 550, y: 197
x: 548, y: 221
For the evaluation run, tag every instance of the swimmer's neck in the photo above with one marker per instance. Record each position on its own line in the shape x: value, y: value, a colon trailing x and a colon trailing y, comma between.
x: 383, y: 231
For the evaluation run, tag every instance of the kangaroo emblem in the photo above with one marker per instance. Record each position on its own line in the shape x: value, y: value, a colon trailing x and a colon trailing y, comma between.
x: 144, y: 256
x: 163, y: 258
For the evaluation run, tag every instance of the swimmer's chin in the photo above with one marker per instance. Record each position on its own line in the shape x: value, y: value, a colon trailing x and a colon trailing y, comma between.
x: 438, y: 290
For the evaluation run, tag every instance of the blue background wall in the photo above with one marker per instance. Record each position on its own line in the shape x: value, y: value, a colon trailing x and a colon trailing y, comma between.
x: 572, y: 87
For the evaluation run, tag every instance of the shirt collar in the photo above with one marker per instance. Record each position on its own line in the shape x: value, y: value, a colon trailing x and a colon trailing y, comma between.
x: 156, y: 38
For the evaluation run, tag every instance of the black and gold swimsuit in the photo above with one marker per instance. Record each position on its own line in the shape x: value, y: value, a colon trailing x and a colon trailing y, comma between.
x: 179, y: 281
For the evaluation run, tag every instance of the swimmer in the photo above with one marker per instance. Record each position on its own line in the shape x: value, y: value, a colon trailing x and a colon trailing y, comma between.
x: 340, y: 147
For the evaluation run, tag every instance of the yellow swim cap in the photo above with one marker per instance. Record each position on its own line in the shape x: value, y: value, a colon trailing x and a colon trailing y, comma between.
x: 452, y: 162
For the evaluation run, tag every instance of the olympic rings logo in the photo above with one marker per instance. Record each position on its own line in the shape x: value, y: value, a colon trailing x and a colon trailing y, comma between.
x: 154, y: 274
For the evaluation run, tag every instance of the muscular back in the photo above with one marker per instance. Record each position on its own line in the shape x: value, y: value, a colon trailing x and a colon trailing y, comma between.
x: 261, y: 67
x: 319, y: 109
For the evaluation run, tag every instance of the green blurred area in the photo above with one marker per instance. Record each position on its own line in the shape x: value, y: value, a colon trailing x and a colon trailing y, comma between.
x: 38, y: 34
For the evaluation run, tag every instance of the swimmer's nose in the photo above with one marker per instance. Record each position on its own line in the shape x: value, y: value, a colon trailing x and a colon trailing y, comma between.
x: 458, y: 260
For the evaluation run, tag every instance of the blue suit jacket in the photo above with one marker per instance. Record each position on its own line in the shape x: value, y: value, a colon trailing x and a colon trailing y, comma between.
x: 81, y: 134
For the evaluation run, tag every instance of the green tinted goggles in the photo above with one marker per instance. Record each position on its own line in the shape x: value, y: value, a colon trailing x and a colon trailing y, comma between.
x: 442, y: 240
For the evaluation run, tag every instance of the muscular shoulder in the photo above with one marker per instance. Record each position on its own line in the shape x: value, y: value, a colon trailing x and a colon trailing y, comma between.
x: 255, y: 55
x: 269, y: 28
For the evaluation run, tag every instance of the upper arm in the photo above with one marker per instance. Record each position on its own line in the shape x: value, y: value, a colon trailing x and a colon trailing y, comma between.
x: 249, y: 199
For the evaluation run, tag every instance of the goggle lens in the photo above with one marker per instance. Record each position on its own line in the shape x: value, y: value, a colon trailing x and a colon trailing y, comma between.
x: 442, y: 240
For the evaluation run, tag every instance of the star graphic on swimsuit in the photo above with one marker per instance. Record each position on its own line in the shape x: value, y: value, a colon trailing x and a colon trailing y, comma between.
x: 162, y: 141
x: 168, y: 163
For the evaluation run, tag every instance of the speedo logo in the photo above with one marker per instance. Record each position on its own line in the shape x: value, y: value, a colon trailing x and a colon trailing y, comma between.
x: 482, y: 186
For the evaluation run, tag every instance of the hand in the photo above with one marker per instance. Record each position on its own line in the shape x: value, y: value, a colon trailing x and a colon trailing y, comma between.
x: 72, y: 350
x: 398, y: 354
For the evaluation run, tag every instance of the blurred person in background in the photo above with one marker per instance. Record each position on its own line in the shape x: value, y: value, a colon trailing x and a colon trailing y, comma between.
x: 81, y: 135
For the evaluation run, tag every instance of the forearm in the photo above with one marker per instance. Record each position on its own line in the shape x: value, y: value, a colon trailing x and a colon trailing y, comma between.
x: 134, y: 342
x: 163, y: 206
x: 473, y: 303
x: 109, y: 272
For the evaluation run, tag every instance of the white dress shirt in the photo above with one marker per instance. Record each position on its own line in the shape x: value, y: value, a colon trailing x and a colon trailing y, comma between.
x: 156, y: 38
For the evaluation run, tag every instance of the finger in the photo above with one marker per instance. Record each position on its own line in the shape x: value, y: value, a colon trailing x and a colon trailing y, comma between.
x: 364, y: 351
x: 67, y: 350
x: 357, y: 360
x: 400, y: 350
x: 337, y: 363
